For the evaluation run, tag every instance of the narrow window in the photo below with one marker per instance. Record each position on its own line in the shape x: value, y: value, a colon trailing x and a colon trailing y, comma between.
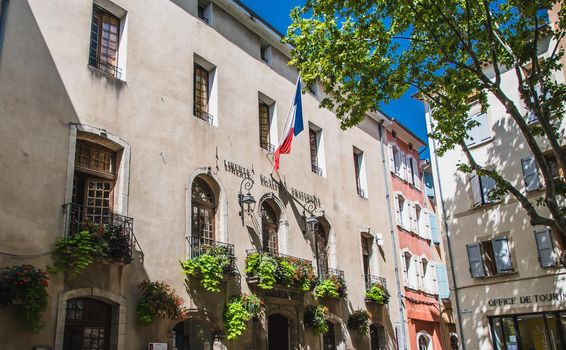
x: 366, y: 255
x: 359, y: 172
x: 201, y: 94
x: 502, y: 255
x: 321, y: 249
x: 203, y: 210
x: 329, y: 338
x: 546, y: 255
x: 265, y: 53
x: 204, y: 11
x: 377, y: 337
x: 264, y: 126
x: 104, y: 42
x: 316, y: 151
x: 475, y: 260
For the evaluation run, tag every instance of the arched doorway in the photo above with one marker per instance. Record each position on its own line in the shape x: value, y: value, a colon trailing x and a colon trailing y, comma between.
x: 329, y: 338
x: 377, y: 337
x: 192, y: 334
x: 278, y: 332
x: 88, y: 325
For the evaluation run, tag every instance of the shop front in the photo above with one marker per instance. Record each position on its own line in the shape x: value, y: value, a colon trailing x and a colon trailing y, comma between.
x: 535, y: 331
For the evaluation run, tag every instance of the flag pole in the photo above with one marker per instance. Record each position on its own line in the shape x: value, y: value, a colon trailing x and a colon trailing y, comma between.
x: 288, y: 119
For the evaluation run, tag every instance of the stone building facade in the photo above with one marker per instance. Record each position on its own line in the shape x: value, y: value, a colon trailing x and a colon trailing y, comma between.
x: 508, y: 286
x: 151, y: 116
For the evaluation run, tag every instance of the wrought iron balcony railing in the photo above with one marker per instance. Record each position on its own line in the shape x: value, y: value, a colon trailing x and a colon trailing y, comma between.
x: 372, y: 279
x: 361, y: 191
x: 199, y: 246
x: 203, y: 115
x: 277, y: 255
x: 316, y: 169
x: 266, y: 145
x: 325, y: 272
x: 117, y: 230
x: 106, y: 67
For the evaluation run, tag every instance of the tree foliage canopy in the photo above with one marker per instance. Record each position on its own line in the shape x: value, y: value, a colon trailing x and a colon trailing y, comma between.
x: 453, y: 52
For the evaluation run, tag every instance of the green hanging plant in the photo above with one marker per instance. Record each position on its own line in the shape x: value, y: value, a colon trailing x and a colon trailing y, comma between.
x: 359, y: 321
x: 25, y: 285
x: 158, y: 299
x: 263, y: 266
x: 210, y: 266
x: 315, y: 317
x: 77, y: 251
x: 238, y: 311
x: 378, y: 294
x: 331, y: 287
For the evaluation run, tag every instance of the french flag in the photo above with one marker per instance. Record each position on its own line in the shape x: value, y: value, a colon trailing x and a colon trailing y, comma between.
x: 293, y: 126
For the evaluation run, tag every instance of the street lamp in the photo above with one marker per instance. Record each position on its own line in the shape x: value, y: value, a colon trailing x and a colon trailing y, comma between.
x: 247, y: 199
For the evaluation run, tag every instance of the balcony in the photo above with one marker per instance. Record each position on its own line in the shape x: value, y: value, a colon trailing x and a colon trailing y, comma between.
x: 105, y: 67
x: 316, y: 169
x: 203, y: 115
x: 376, y: 290
x: 268, y: 270
x: 113, y: 231
x: 266, y: 145
x: 330, y: 284
x: 200, y: 246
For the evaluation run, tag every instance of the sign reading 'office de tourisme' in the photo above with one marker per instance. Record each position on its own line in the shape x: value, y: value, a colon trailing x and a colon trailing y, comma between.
x: 528, y: 299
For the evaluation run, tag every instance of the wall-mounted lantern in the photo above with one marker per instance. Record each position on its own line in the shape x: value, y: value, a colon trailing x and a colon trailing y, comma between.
x: 246, y: 201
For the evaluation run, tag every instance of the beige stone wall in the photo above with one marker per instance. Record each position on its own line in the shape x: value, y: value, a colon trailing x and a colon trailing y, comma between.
x: 46, y: 86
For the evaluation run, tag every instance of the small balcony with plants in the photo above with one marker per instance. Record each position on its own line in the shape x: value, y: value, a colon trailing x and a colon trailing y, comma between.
x: 330, y: 284
x: 94, y: 235
x: 270, y: 270
x: 376, y: 290
x: 210, y: 262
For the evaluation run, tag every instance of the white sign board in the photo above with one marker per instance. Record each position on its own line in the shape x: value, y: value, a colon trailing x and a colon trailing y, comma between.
x: 157, y: 346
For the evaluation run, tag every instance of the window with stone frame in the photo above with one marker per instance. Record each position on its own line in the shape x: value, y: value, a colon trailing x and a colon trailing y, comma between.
x: 203, y: 204
x: 93, y: 181
x: 201, y: 92
x: 265, y: 127
x: 105, y: 42
x: 490, y: 257
x: 269, y: 228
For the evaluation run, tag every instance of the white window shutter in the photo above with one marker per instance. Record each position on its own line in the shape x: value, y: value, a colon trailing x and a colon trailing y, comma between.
x: 397, y: 162
x: 403, y: 166
x: 484, y: 130
x: 404, y: 267
x: 391, y: 159
x: 415, y: 274
x: 425, y: 217
x: 397, y: 210
x: 413, y: 217
x: 546, y: 254
x: 502, y: 255
x: 434, y: 284
x: 476, y: 190
x: 530, y: 173
x: 409, y: 160
x: 416, y: 174
x: 475, y: 259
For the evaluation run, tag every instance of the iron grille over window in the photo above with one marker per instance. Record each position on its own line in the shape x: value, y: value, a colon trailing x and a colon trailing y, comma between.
x: 104, y: 41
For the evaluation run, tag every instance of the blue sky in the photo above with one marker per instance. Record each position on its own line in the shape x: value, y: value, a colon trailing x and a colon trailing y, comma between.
x: 407, y: 110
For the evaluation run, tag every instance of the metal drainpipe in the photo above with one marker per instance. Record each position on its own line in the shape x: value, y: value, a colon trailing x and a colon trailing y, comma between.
x: 3, y: 16
x: 433, y: 154
x: 393, y: 237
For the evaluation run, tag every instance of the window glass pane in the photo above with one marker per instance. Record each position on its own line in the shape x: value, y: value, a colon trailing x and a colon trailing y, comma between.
x: 497, y: 334
x: 509, y: 333
x: 533, y: 332
x: 264, y: 126
x: 553, y: 330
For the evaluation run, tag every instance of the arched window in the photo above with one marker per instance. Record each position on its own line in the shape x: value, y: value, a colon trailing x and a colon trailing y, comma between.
x: 278, y: 332
x: 424, y: 342
x: 321, y: 247
x: 329, y: 338
x: 203, y: 209
x: 88, y: 325
x: 269, y: 227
